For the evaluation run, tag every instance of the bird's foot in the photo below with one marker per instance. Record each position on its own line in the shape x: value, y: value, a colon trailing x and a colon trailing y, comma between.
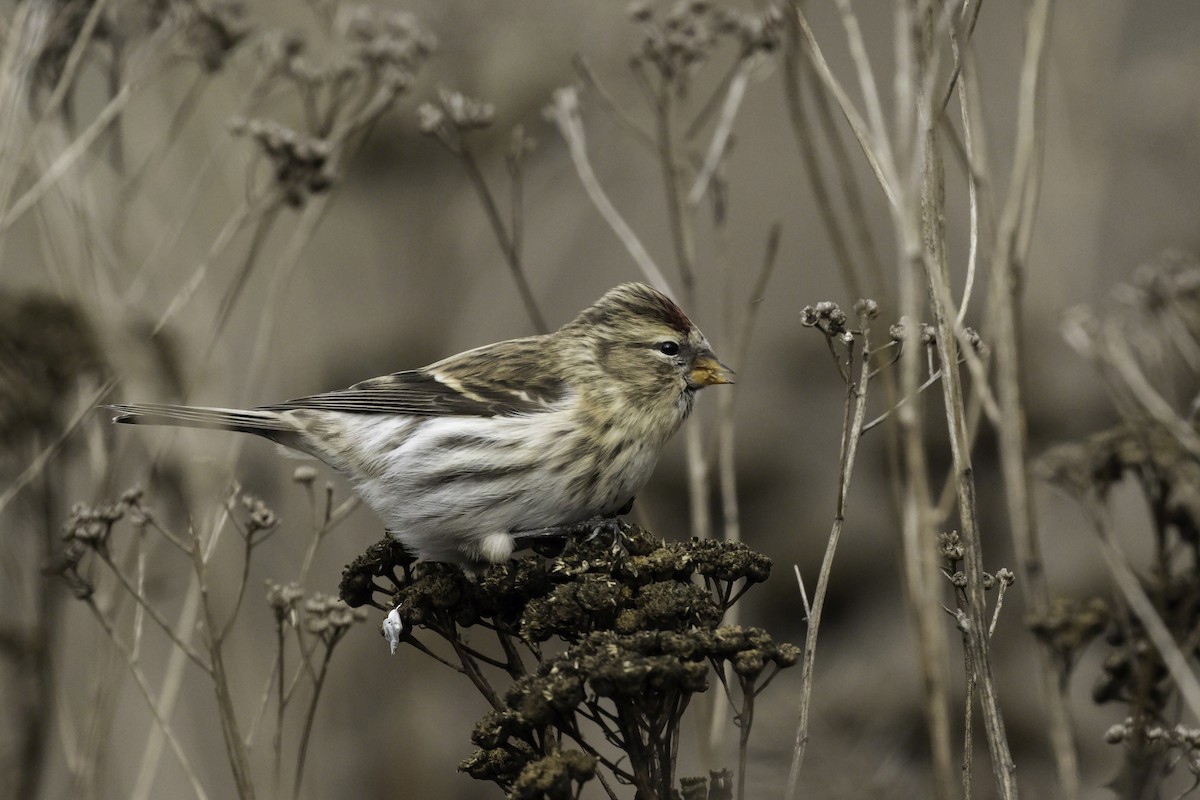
x: 586, y: 530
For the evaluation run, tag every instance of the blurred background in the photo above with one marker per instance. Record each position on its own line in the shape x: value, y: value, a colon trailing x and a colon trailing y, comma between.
x: 154, y: 263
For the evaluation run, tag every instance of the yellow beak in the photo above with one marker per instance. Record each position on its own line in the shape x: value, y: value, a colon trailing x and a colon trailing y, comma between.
x: 707, y: 371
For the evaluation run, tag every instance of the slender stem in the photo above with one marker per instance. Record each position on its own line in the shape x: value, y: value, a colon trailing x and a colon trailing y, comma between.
x: 745, y: 720
x: 679, y: 220
x: 884, y: 173
x: 615, y: 109
x: 153, y: 613
x: 855, y: 413
x: 508, y: 241
x: 471, y: 670
x: 1143, y: 608
x: 1012, y: 429
x: 565, y: 112
x: 280, y: 708
x: 804, y: 134
x: 148, y: 695
x: 226, y: 707
x: 309, y: 716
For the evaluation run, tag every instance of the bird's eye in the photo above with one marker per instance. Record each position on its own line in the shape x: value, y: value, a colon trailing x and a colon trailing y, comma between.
x: 668, y: 348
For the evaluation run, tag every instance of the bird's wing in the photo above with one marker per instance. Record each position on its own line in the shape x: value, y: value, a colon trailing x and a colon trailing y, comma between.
x: 502, y: 379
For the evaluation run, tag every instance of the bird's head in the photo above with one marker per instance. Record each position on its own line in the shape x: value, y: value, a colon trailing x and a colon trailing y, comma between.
x: 638, y: 338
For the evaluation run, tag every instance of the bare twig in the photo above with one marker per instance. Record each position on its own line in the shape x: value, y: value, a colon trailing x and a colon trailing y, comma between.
x: 720, y: 139
x: 884, y: 170
x: 615, y: 109
x: 855, y: 413
x: 148, y: 695
x: 565, y: 113
x: 1007, y: 281
x: 509, y: 240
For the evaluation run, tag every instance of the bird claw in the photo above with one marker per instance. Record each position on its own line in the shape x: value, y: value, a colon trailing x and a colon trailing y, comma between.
x: 587, y: 529
x: 613, y: 527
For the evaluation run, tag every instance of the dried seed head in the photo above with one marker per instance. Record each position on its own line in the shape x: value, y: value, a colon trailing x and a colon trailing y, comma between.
x: 866, y: 308
x: 283, y: 599
x: 467, y: 114
x: 950, y: 546
x: 262, y: 517
x: 305, y: 475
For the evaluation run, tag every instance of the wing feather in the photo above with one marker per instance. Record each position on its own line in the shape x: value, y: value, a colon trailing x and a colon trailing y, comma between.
x: 503, y: 379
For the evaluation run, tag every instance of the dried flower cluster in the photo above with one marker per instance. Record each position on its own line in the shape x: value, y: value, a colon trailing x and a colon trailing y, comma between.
x: 282, y: 598
x: 88, y: 529
x: 641, y: 626
x: 329, y: 618
x: 376, y: 59
x: 1146, y: 351
x: 678, y: 42
x: 454, y: 114
x: 828, y: 318
x: 1176, y: 744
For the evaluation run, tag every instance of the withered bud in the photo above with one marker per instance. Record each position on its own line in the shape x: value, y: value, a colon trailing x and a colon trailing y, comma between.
x: 866, y: 308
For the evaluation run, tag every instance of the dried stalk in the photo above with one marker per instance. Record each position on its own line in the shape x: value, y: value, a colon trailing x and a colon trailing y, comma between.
x: 1007, y: 281
x: 855, y: 414
x: 565, y: 113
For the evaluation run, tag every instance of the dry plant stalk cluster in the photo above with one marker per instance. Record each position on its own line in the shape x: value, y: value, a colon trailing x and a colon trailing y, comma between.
x: 104, y: 559
x: 1145, y: 350
x: 602, y: 648
x: 69, y: 176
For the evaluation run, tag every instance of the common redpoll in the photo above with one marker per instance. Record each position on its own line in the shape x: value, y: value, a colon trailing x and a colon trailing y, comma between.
x: 463, y: 457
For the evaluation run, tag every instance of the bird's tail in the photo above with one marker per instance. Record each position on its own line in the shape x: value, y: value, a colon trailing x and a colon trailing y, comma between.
x: 264, y: 423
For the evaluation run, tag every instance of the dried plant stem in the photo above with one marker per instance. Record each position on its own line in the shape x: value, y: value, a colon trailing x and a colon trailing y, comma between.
x: 615, y: 109
x: 937, y: 274
x: 245, y: 214
x: 681, y: 222
x: 720, y: 140
x: 1013, y: 446
x: 239, y: 758
x: 1143, y: 608
x: 334, y: 519
x: 281, y: 275
x: 866, y: 79
x: 972, y: 683
x: 726, y: 438
x: 167, y: 697
x: 148, y: 695
x: 154, y: 614
x: 565, y: 112
x: 920, y: 569
x: 884, y: 170
x: 309, y: 716
x: 24, y: 42
x: 855, y: 414
x: 265, y: 224
x: 509, y: 242
x: 745, y: 719
x: 848, y: 266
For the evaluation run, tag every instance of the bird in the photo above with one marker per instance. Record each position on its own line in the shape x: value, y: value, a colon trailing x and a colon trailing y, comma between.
x: 464, y: 458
